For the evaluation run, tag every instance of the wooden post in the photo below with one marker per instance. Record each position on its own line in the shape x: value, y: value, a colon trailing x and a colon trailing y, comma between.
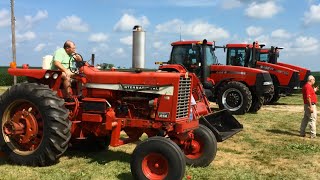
x: 13, y: 30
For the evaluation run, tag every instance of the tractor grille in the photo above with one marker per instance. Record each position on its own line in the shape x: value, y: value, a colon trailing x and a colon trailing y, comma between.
x: 183, y: 97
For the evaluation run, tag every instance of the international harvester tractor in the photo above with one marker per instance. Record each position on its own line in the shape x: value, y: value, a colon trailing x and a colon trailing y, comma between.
x: 237, y: 89
x: 285, y: 79
x: 37, y: 124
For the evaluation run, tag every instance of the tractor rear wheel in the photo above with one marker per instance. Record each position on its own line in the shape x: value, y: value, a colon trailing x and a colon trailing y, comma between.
x: 202, y: 149
x: 35, y: 129
x: 235, y: 97
x: 276, y: 95
x: 257, y: 102
x: 157, y: 158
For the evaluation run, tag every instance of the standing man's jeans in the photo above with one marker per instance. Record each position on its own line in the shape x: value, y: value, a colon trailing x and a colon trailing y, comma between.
x: 309, y: 118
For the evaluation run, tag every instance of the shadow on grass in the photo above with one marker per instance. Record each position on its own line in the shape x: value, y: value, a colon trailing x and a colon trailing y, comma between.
x: 125, y: 176
x: 278, y: 131
x: 3, y: 161
x: 100, y: 157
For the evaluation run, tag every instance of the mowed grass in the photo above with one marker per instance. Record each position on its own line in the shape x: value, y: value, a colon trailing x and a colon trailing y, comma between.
x: 269, y: 147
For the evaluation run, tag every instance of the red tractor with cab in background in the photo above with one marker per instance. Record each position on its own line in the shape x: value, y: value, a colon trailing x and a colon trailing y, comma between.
x: 237, y: 89
x: 37, y: 124
x: 285, y: 79
x: 271, y: 55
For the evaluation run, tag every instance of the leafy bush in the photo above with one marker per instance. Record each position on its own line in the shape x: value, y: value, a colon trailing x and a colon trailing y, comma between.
x: 6, y: 79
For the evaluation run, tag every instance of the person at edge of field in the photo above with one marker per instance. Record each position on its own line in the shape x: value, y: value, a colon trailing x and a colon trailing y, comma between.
x: 310, y: 109
x: 62, y: 60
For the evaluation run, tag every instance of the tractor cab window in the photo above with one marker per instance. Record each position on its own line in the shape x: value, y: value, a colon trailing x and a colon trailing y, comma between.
x: 185, y: 55
x: 236, y: 57
x: 264, y: 57
x: 211, y: 57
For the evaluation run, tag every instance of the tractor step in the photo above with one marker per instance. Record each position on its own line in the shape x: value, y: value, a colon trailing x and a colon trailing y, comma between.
x: 222, y: 124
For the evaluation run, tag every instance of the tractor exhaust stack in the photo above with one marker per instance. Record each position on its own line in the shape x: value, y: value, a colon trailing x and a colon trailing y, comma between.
x: 138, y: 47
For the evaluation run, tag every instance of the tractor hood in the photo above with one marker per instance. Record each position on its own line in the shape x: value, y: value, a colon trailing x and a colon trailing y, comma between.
x: 275, y: 68
x: 227, y: 69
x: 148, y: 82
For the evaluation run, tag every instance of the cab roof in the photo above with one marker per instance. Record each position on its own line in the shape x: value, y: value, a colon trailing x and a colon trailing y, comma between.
x: 189, y: 42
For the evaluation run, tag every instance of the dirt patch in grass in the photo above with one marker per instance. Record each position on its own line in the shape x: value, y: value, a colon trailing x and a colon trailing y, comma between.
x: 285, y: 108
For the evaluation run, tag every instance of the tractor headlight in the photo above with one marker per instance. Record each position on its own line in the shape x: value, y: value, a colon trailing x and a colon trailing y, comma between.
x: 47, y: 75
x: 266, y: 83
x: 55, y: 76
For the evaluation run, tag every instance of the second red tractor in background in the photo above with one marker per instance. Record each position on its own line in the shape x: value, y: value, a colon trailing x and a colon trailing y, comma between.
x: 248, y: 55
x: 271, y: 55
x: 237, y: 89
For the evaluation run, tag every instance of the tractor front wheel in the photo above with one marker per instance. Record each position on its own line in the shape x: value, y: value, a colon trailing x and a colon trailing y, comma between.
x: 202, y: 149
x: 34, y: 129
x: 235, y: 97
x: 157, y: 158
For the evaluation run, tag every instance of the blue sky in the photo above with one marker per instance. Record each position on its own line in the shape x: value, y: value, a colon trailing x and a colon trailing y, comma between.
x: 104, y: 27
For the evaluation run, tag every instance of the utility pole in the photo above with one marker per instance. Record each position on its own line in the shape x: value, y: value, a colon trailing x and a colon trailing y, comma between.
x: 13, y: 30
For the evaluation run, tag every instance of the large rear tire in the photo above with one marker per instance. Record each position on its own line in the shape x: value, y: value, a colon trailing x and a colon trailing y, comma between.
x: 235, y: 97
x: 203, y: 148
x: 157, y: 158
x: 276, y: 96
x: 35, y: 129
x: 257, y: 102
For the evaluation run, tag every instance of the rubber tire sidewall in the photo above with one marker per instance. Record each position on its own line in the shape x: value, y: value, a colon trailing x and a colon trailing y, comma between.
x: 209, y: 149
x: 166, y: 148
x: 246, y: 94
x: 55, y: 121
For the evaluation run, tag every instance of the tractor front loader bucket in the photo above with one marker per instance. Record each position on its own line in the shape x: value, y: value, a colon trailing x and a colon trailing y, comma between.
x: 222, y: 124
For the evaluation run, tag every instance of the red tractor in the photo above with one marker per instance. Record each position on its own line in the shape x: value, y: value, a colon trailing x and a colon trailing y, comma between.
x: 271, y: 55
x: 237, y: 89
x: 285, y: 80
x: 37, y: 124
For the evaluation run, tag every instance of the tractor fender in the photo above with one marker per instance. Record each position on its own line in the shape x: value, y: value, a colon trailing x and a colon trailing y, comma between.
x: 38, y: 75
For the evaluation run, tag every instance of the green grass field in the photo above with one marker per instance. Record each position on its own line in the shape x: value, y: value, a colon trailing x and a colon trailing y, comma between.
x: 269, y: 147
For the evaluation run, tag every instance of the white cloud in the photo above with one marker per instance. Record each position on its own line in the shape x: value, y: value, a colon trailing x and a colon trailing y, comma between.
x: 98, y: 37
x: 73, y: 23
x: 305, y: 44
x: 157, y: 45
x: 30, y: 20
x: 263, y: 10
x: 254, y: 30
x: 127, y: 22
x: 119, y: 52
x: 39, y: 47
x: 100, y: 49
x: 230, y: 4
x: 280, y: 33
x: 126, y: 40
x: 27, y: 36
x: 195, y: 29
x: 313, y: 15
x: 5, y: 19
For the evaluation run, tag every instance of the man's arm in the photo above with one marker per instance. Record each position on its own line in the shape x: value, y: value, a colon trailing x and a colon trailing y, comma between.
x: 63, y: 69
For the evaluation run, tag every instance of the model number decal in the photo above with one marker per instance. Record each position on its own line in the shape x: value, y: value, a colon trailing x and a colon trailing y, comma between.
x: 163, y: 114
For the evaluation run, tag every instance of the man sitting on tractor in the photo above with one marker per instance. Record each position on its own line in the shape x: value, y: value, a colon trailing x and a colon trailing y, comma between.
x: 63, y: 59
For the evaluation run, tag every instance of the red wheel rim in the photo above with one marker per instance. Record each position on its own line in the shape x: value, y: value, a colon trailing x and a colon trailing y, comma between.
x: 22, y: 127
x: 155, y: 166
x: 194, y: 150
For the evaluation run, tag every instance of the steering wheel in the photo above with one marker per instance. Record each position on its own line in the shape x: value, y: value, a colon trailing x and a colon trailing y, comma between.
x: 78, y: 63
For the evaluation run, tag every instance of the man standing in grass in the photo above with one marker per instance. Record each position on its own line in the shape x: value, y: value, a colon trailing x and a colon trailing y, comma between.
x: 310, y: 108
